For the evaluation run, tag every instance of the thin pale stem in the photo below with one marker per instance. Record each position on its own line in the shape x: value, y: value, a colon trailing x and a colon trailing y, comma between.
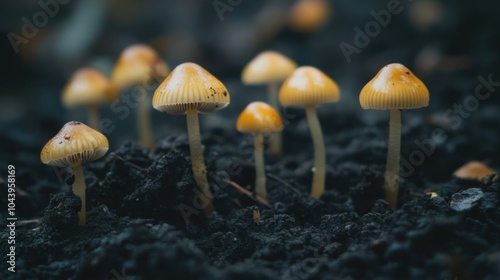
x: 318, y: 183
x: 275, y: 146
x: 144, y: 122
x: 79, y: 190
x: 260, y: 173
x: 94, y: 117
x: 393, y: 156
x: 197, y: 160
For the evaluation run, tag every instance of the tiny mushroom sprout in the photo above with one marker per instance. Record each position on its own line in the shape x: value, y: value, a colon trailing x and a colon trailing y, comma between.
x: 142, y: 67
x: 89, y: 87
x: 309, y: 87
x: 394, y: 88
x: 74, y: 145
x: 189, y: 89
x: 309, y: 15
x: 475, y: 171
x: 269, y: 68
x: 259, y: 119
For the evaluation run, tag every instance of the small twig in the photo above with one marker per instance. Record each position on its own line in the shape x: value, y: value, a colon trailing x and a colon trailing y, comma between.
x: 27, y: 222
x: 128, y: 162
x: 20, y: 192
x: 283, y: 182
x: 248, y: 193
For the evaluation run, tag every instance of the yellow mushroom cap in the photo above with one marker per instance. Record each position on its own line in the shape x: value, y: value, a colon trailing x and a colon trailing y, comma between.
x: 309, y: 15
x: 267, y: 67
x: 394, y: 87
x: 474, y: 170
x: 189, y: 86
x: 308, y: 86
x: 74, y: 145
x: 138, y: 65
x: 88, y: 86
x: 259, y: 117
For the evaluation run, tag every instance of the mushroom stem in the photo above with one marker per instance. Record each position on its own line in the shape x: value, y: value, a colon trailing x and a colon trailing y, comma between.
x: 318, y: 183
x: 275, y: 145
x: 144, y: 121
x: 260, y: 174
x: 94, y: 118
x: 197, y: 160
x: 79, y: 190
x: 393, y: 154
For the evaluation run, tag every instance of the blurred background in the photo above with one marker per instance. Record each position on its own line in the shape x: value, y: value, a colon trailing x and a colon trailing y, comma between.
x: 447, y: 43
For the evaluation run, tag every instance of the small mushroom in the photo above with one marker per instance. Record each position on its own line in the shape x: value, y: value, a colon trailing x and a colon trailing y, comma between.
x: 190, y: 90
x: 259, y: 119
x: 141, y: 66
x: 88, y: 87
x: 309, y: 87
x: 475, y: 171
x: 269, y: 68
x: 309, y: 15
x: 394, y: 88
x: 74, y: 145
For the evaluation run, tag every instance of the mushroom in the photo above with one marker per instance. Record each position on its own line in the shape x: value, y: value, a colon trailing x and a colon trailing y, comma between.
x: 189, y: 89
x: 141, y: 66
x: 269, y: 68
x: 88, y: 87
x: 309, y: 87
x: 309, y: 15
x: 475, y: 171
x: 259, y: 119
x: 394, y: 88
x: 74, y: 145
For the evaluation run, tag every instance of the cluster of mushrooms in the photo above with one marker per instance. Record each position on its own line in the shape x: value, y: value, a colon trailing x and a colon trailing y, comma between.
x: 190, y: 89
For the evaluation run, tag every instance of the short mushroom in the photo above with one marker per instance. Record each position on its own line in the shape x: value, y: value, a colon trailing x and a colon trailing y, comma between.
x: 140, y: 66
x: 309, y: 87
x: 189, y: 89
x: 269, y: 68
x: 394, y: 88
x: 74, y: 145
x: 475, y: 171
x: 90, y: 88
x: 259, y: 119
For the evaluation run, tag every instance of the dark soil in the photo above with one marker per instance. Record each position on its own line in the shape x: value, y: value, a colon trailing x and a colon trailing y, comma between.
x: 143, y: 216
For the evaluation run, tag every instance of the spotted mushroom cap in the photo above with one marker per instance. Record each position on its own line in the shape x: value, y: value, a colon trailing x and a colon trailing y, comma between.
x: 308, y: 86
x: 189, y: 86
x: 394, y: 87
x: 88, y: 86
x: 259, y: 117
x: 138, y: 65
x: 267, y: 67
x: 74, y: 145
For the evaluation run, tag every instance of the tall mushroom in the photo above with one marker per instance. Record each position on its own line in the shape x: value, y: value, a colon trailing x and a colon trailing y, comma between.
x: 269, y: 68
x: 190, y: 90
x: 74, y: 145
x: 309, y: 87
x: 259, y: 119
x: 89, y: 88
x: 142, y: 67
x: 394, y: 88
